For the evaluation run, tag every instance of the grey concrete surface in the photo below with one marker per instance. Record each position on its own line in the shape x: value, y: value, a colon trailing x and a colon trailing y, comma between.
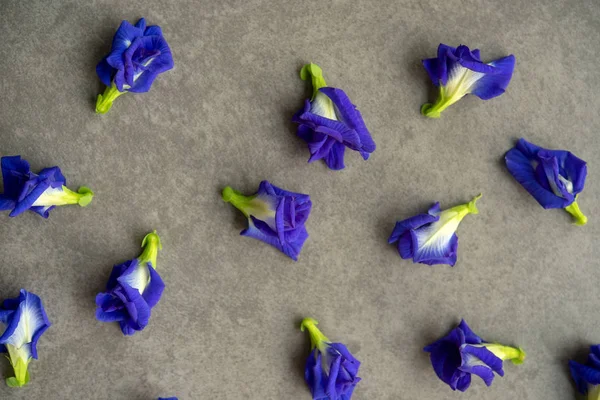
x: 227, y: 325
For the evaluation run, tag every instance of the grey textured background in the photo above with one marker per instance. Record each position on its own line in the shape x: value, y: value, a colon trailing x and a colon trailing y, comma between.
x: 227, y: 325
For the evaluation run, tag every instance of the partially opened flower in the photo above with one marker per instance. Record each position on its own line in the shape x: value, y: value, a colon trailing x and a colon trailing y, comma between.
x: 587, y: 376
x: 461, y: 353
x: 133, y: 289
x: 24, y: 320
x: 329, y: 122
x: 459, y: 71
x: 330, y: 370
x: 40, y: 193
x: 138, y: 55
x: 275, y: 216
x: 430, y: 238
x: 553, y: 177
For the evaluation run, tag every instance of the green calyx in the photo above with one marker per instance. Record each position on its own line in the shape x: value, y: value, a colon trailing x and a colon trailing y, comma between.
x: 248, y: 205
x: 65, y: 196
x: 578, y: 216
x: 515, y: 354
x: 317, y: 339
x: 443, y: 101
x: 19, y: 361
x: 468, y: 208
x: 314, y: 72
x: 105, y: 100
x: 151, y: 244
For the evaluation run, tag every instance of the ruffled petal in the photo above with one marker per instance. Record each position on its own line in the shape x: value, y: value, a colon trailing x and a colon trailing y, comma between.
x: 315, y: 377
x: 335, y: 157
x: 123, y: 38
x: 520, y: 167
x: 415, y: 222
x: 105, y: 72
x: 155, y: 288
x: 584, y: 375
x: 495, y: 83
x: 470, y: 336
x: 15, y: 172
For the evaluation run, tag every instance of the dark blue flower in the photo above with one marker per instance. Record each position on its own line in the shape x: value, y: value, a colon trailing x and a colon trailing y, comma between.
x: 133, y: 289
x: 40, y: 193
x: 459, y: 71
x: 587, y: 376
x: 330, y: 370
x: 275, y: 216
x: 553, y: 177
x: 25, y: 320
x: 138, y: 55
x: 330, y: 122
x: 461, y: 353
x: 430, y: 238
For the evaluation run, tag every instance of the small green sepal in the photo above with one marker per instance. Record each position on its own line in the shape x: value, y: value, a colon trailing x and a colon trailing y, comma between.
x: 578, y: 216
x: 105, y: 100
x: 316, y: 73
x: 21, y: 377
x: 151, y: 244
x: 87, y: 196
x: 317, y: 339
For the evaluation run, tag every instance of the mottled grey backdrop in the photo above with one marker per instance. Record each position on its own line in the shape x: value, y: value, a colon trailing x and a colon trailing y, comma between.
x: 227, y: 325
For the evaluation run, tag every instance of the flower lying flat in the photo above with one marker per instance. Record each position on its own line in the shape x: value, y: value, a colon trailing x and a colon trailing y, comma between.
x: 459, y: 71
x: 25, y: 320
x: 40, y: 193
x: 330, y: 370
x: 133, y: 289
x: 330, y: 122
x: 461, y: 353
x: 587, y: 376
x: 275, y: 216
x: 138, y: 55
x: 430, y: 238
x: 553, y: 177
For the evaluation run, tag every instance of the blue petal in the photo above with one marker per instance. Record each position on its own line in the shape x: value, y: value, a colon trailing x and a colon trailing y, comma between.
x: 6, y: 203
x: 470, y: 336
x: 481, y: 362
x: 347, y: 113
x: 147, y: 57
x: 464, y: 382
x: 495, y: 83
x: 141, y: 24
x: 28, y: 323
x: 123, y: 38
x: 155, y: 288
x: 434, y: 246
x: 15, y: 172
x: 153, y: 30
x: 335, y: 157
x: 106, y: 310
x: 437, y: 68
x: 315, y: 377
x: 411, y: 223
x: 105, y: 72
x: 521, y: 169
x: 119, y: 270
x: 584, y: 375
x: 138, y: 310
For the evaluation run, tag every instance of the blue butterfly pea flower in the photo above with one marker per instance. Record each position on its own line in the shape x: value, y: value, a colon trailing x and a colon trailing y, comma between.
x: 275, y: 216
x: 553, y: 177
x: 461, y: 353
x: 330, y: 123
x: 460, y: 71
x: 138, y: 55
x: 430, y: 238
x: 40, y: 193
x: 167, y: 398
x: 133, y: 289
x: 330, y: 370
x: 24, y: 320
x: 587, y: 376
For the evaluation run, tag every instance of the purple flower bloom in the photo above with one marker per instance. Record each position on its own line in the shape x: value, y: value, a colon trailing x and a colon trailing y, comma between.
x: 275, y: 216
x: 133, y: 289
x: 40, y: 193
x: 459, y: 71
x: 587, y: 376
x: 430, y: 238
x: 330, y: 122
x: 553, y: 177
x: 25, y: 321
x: 330, y: 370
x: 138, y: 55
x: 461, y: 353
